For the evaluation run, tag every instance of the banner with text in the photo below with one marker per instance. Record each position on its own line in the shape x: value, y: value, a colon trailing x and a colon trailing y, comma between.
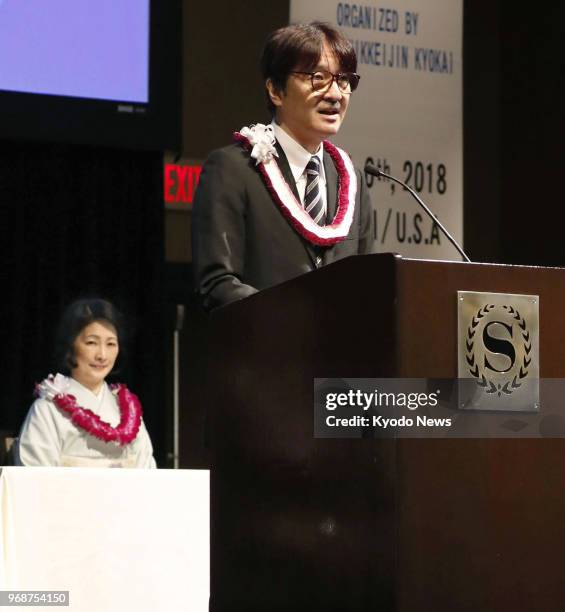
x: 406, y: 116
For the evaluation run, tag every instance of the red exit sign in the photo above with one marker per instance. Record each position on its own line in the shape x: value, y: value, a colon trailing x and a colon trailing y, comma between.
x: 180, y: 183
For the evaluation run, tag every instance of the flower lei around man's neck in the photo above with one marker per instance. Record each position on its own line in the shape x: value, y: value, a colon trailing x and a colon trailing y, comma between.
x: 55, y: 389
x: 259, y: 141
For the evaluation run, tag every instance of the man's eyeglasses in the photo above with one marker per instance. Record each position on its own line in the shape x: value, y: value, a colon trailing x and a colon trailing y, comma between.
x: 322, y: 80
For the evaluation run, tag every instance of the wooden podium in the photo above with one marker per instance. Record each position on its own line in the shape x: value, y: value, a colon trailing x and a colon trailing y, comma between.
x: 300, y: 523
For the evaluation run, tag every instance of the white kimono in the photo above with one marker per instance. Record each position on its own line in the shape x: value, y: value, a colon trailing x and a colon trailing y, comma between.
x: 48, y: 437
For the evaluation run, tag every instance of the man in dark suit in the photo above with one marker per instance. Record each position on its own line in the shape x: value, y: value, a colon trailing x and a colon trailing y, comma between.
x: 283, y: 200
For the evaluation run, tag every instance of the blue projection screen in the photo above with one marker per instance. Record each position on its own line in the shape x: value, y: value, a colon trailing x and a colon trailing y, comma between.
x: 97, y: 49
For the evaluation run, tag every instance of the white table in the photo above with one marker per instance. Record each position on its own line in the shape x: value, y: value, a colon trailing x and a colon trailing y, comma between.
x: 116, y: 539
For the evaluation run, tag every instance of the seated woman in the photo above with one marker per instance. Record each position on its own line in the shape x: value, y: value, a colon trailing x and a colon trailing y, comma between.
x: 79, y: 420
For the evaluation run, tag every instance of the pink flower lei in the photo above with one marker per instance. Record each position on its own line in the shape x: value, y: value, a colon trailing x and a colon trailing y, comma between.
x: 130, y: 413
x: 302, y: 222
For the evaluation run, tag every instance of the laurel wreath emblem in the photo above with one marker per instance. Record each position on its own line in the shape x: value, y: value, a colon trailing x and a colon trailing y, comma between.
x: 490, y: 386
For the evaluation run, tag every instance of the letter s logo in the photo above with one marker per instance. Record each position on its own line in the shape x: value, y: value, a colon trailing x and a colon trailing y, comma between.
x: 499, y: 345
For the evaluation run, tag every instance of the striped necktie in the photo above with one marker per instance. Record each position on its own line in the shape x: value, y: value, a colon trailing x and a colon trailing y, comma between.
x: 313, y: 202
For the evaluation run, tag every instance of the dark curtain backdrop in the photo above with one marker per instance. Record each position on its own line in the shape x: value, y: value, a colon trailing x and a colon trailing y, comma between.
x: 514, y: 129
x: 532, y: 89
x: 76, y: 222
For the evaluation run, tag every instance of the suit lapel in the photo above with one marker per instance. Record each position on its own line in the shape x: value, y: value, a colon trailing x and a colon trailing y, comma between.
x: 331, y: 191
x: 284, y: 166
x: 285, y: 170
x: 331, y: 185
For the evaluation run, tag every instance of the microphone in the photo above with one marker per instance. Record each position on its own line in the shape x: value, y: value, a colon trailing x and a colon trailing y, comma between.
x: 376, y: 172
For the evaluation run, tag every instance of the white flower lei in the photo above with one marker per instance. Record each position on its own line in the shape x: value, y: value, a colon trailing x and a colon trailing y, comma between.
x: 259, y: 140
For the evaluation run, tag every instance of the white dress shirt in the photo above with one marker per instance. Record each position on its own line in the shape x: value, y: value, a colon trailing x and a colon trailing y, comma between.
x: 298, y: 158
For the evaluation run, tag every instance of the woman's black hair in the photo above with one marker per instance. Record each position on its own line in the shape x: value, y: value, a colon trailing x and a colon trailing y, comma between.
x: 74, y: 319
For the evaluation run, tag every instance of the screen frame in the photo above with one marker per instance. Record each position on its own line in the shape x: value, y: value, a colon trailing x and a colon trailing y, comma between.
x: 155, y: 125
